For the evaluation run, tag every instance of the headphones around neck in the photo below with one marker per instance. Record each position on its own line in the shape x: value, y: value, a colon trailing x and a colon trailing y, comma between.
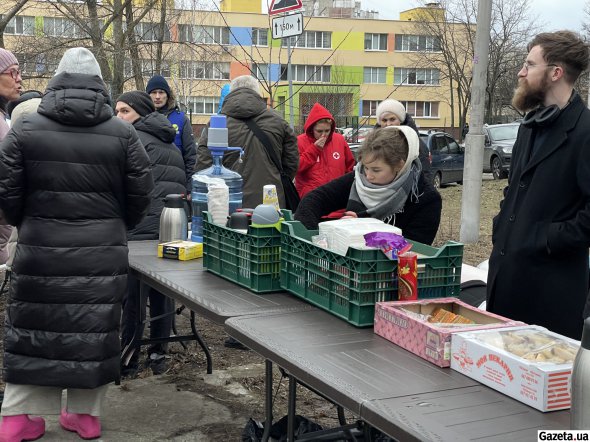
x: 545, y: 115
x: 542, y: 116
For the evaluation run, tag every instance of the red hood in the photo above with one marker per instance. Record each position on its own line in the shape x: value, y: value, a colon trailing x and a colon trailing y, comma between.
x: 318, y: 112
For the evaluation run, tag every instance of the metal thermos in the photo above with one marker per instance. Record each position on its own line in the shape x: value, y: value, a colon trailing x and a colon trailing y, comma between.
x: 173, y: 221
x: 580, y: 411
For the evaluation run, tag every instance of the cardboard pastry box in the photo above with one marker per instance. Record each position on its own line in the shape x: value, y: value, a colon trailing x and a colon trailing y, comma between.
x: 398, y: 322
x: 531, y: 364
x: 181, y: 250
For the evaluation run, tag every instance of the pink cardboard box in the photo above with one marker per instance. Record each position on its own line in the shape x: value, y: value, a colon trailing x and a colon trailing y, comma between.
x: 427, y: 340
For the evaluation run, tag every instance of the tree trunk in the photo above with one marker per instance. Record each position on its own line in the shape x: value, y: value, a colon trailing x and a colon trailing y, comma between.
x: 118, y: 52
x: 136, y: 66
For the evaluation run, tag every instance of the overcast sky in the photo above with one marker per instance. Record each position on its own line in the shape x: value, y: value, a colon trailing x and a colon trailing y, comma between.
x: 554, y: 14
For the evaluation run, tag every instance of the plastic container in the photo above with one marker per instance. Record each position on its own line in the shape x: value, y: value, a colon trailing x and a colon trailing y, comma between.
x: 580, y: 413
x: 218, y: 145
x: 348, y: 286
x: 251, y: 259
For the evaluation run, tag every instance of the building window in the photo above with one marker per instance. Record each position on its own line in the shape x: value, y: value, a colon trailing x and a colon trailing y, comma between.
x: 311, y: 39
x: 307, y: 72
x: 422, y: 109
x: 374, y: 75
x: 61, y: 27
x: 203, y: 34
x: 413, y: 76
x: 417, y: 43
x: 260, y: 71
x: 20, y: 25
x: 259, y: 37
x: 151, y: 32
x: 375, y: 42
x: 370, y: 107
x: 204, y: 70
x: 202, y: 105
x: 148, y: 68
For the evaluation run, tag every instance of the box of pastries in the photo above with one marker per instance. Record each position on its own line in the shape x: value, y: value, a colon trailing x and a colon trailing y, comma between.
x: 530, y: 364
x: 425, y: 326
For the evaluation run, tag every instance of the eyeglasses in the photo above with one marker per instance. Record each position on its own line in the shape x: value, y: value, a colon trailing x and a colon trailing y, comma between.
x: 14, y: 73
x: 526, y: 65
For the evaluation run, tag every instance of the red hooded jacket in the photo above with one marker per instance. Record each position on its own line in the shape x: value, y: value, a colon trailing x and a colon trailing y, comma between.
x: 319, y: 166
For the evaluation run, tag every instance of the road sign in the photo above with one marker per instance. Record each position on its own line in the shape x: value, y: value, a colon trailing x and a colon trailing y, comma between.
x: 287, y: 25
x: 280, y: 6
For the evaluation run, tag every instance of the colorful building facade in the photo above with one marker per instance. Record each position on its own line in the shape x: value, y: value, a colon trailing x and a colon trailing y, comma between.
x: 349, y: 65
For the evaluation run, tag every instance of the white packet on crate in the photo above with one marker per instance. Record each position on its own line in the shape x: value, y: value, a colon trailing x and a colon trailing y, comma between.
x: 217, y: 198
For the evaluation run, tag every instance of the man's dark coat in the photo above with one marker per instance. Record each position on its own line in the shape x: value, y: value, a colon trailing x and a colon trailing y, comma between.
x: 538, y: 269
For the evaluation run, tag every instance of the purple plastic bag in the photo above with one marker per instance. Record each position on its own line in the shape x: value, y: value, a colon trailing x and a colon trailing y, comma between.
x: 390, y: 243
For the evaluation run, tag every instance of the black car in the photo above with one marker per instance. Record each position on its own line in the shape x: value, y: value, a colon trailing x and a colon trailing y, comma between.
x: 497, y: 151
x: 447, y: 157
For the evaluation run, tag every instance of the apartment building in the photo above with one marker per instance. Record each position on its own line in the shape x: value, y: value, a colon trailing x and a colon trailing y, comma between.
x: 349, y: 65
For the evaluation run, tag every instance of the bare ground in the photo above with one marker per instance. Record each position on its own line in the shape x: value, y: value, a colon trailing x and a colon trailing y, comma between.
x: 238, y: 380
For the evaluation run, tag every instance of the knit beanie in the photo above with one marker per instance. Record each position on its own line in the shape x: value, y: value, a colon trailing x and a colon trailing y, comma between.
x: 25, y: 108
x: 157, y: 82
x: 7, y: 59
x: 139, y: 101
x: 78, y: 61
x: 25, y: 96
x: 393, y: 106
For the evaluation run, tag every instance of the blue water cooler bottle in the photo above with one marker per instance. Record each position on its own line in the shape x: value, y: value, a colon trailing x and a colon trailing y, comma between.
x: 218, y: 145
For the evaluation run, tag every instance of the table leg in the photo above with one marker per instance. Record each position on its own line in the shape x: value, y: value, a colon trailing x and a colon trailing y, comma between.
x: 341, y: 416
x: 133, y: 345
x: 202, y: 344
x: 291, y: 408
x: 268, y: 402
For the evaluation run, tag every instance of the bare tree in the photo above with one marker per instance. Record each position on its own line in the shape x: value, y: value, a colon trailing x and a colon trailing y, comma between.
x: 511, y: 30
x: 452, y: 25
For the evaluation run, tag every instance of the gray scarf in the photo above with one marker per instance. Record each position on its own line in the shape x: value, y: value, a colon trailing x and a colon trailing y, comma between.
x: 385, y: 201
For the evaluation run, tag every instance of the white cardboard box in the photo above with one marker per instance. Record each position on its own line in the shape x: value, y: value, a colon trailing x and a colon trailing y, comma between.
x: 543, y: 385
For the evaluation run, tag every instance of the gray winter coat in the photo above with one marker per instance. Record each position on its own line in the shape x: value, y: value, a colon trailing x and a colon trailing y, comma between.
x: 73, y: 179
x: 256, y: 167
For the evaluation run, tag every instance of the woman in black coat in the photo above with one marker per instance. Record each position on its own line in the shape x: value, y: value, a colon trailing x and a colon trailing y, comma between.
x: 73, y: 179
x: 167, y: 165
x: 387, y: 184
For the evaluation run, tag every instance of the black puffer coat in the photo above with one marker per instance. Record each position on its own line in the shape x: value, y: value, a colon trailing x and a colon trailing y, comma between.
x: 157, y: 136
x: 73, y: 179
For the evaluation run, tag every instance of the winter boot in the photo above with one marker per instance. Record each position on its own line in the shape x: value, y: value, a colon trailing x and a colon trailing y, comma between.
x: 20, y: 428
x: 87, y: 426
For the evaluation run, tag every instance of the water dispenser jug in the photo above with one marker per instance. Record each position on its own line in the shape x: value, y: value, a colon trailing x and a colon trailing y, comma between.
x: 218, y: 145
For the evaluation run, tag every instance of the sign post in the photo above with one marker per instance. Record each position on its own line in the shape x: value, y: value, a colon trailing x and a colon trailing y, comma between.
x: 287, y: 26
x: 282, y: 6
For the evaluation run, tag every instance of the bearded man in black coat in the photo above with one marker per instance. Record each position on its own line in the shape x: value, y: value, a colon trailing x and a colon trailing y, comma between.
x: 539, y: 262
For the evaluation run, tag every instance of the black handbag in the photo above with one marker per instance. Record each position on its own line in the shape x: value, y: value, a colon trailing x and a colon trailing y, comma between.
x: 291, y: 195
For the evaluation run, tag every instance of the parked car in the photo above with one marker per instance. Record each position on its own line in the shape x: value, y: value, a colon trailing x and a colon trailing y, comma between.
x: 497, y: 151
x: 447, y: 157
x: 358, y: 136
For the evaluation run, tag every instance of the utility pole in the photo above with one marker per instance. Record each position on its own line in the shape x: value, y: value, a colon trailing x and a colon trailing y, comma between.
x: 290, y: 80
x: 474, y: 143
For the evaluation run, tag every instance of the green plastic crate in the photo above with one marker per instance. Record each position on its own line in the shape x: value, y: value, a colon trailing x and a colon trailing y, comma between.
x: 251, y: 259
x: 348, y: 286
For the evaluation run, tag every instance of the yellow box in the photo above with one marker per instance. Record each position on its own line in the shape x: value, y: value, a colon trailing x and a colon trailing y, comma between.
x: 180, y: 250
